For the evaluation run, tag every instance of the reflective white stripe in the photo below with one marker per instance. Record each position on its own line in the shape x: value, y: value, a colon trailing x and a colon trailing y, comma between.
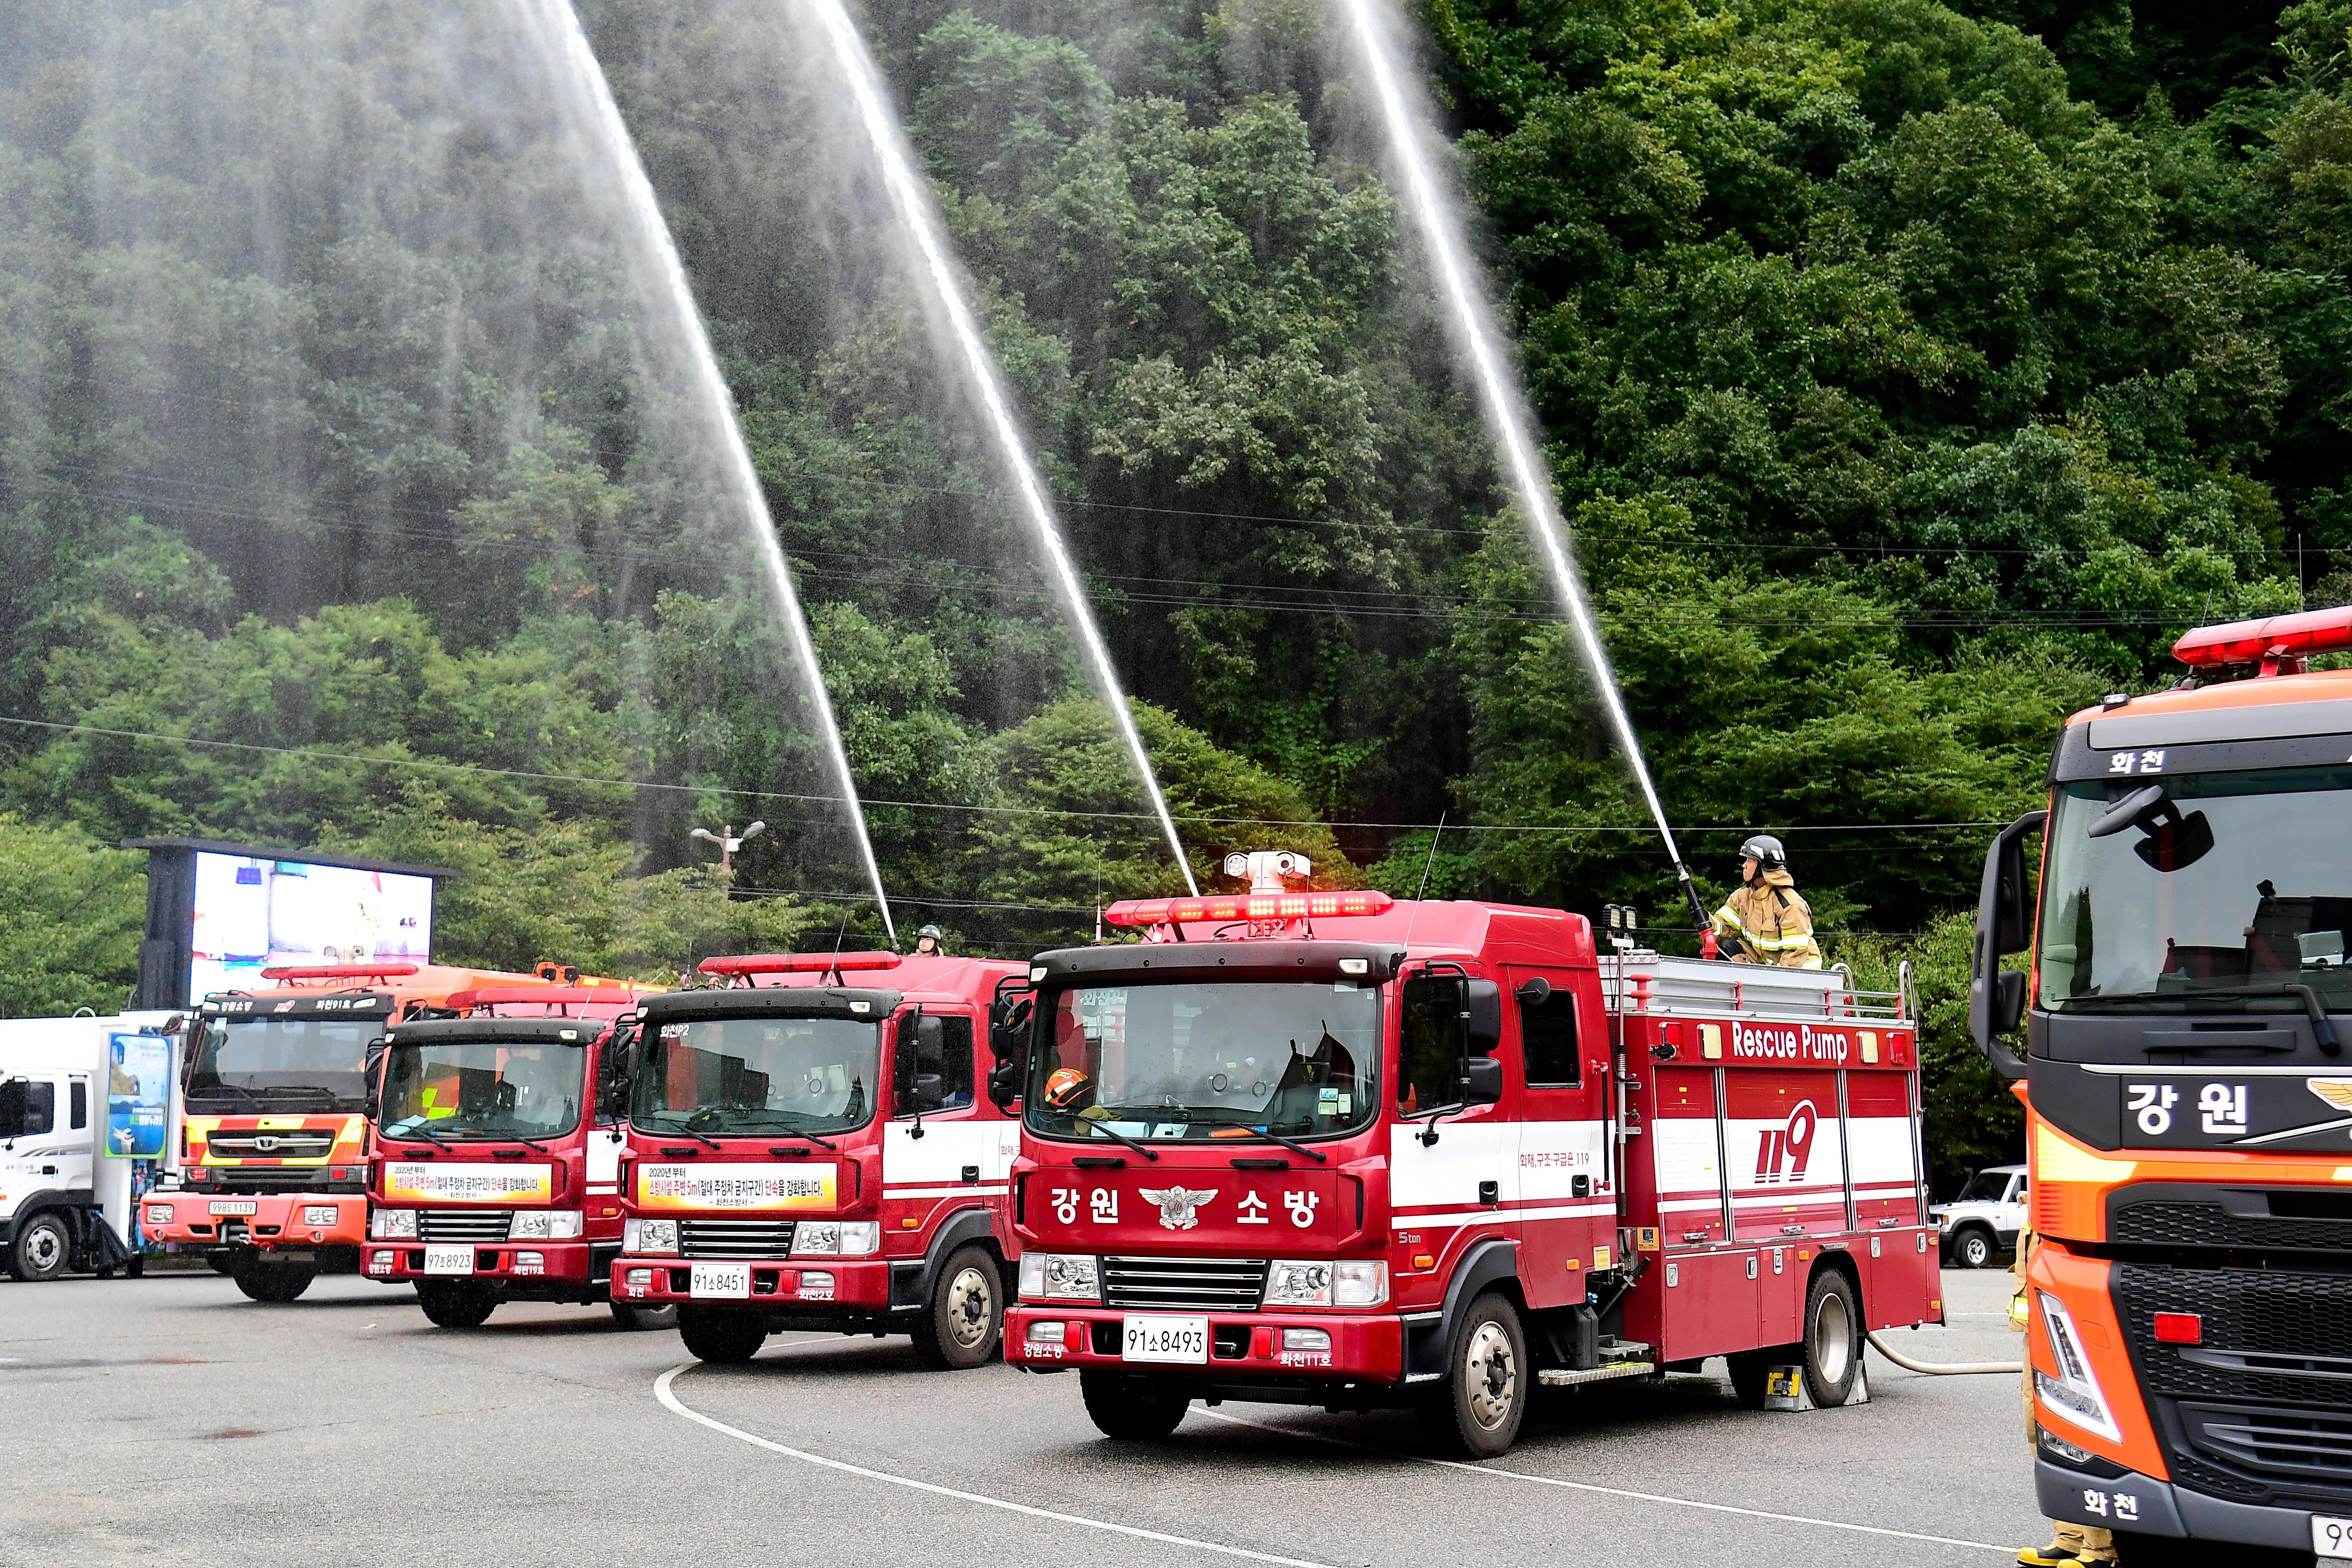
x: 1807, y: 1198
x: 980, y: 1188
x: 1677, y: 1206
x: 1496, y: 1216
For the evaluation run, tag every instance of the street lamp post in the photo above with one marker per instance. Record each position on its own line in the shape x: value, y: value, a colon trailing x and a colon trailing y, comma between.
x: 730, y: 841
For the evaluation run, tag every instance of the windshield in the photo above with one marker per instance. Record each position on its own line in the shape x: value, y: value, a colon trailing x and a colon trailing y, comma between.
x: 715, y: 1076
x: 2238, y: 881
x: 1984, y: 1187
x: 305, y: 1064
x: 481, y: 1089
x: 1198, y: 1061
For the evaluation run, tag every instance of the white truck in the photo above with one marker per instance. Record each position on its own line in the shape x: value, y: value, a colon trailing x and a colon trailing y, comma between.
x: 1985, y: 1219
x: 63, y: 1205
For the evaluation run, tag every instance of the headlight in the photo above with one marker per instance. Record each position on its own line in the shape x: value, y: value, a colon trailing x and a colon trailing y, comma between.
x: 1359, y: 1284
x: 318, y: 1213
x: 544, y: 1225
x: 1943, y: 1222
x: 392, y: 1225
x: 1298, y: 1284
x: 836, y: 1238
x: 159, y: 1214
x: 2074, y: 1396
x: 649, y: 1236
x: 1057, y: 1277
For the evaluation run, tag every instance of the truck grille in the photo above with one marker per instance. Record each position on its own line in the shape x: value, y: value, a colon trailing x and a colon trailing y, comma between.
x: 2268, y: 1333
x: 2209, y: 1224
x: 735, y: 1238
x: 1217, y: 1284
x: 270, y: 1178
x: 303, y: 1145
x: 463, y: 1225
x: 2291, y: 1445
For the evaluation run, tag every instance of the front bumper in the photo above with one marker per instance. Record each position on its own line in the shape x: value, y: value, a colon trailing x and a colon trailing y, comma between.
x: 277, y: 1220
x: 2149, y: 1507
x: 860, y: 1284
x: 1366, y: 1347
x: 565, y: 1262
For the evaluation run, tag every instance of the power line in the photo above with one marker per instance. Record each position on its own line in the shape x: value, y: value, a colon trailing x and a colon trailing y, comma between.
x: 316, y: 755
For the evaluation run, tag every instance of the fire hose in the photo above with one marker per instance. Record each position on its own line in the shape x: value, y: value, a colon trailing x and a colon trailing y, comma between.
x: 1954, y: 1369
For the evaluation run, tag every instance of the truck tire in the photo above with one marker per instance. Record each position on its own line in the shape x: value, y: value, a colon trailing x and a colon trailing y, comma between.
x: 264, y: 1279
x: 1972, y: 1248
x: 963, y: 1323
x: 1832, y: 1343
x: 1476, y: 1412
x: 221, y: 1262
x: 456, y: 1303
x: 1132, y: 1409
x: 1750, y: 1370
x: 631, y: 1319
x: 718, y: 1336
x: 42, y: 1248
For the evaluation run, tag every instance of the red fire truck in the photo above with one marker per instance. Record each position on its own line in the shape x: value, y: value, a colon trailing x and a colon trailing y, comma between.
x: 272, y: 1164
x: 804, y: 1153
x: 496, y: 1163
x: 1328, y: 1149
x: 2188, y: 1306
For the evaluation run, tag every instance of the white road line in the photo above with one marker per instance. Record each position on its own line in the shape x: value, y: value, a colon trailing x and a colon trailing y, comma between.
x: 1604, y: 1491
x: 662, y: 1391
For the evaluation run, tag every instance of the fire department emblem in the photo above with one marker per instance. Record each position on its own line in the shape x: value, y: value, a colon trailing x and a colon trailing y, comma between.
x: 1180, y: 1208
x: 264, y: 1144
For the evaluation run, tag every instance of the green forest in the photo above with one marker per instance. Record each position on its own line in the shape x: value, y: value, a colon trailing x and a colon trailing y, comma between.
x: 1912, y: 374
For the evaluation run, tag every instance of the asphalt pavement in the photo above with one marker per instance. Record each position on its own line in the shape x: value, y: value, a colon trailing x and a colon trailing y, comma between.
x: 168, y: 1420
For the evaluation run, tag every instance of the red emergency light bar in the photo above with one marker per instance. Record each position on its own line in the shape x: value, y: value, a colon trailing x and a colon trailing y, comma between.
x: 1248, y: 907
x: 2274, y: 637
x: 338, y: 971
x: 491, y: 995
x: 799, y: 963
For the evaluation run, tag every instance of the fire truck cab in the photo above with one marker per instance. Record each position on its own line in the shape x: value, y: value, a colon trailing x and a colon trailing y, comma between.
x: 2188, y: 1307
x: 495, y: 1163
x: 807, y: 1150
x: 272, y: 1163
x: 1333, y: 1150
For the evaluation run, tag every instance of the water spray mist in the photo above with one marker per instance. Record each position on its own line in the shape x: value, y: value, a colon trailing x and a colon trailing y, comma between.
x: 856, y: 67
x: 1438, y: 221
x: 589, y: 99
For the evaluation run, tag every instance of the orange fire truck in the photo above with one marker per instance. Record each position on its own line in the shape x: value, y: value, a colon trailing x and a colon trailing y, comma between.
x: 2187, y: 1304
x: 1324, y: 1148
x: 272, y: 1159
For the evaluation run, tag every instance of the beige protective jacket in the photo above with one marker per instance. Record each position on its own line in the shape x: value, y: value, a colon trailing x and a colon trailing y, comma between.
x: 1773, y: 921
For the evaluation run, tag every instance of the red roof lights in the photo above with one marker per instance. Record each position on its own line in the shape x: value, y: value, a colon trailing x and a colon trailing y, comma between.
x: 1248, y: 907
x: 2274, y: 640
x: 339, y: 971
x: 799, y: 963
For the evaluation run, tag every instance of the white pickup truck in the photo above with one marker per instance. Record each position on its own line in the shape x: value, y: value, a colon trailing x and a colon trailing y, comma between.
x: 1985, y: 1219
x: 60, y: 1208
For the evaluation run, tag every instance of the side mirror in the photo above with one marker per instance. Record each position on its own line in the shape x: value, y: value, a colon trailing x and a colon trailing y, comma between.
x: 930, y: 1048
x: 1481, y: 1081
x: 1482, y: 1017
x: 1004, y: 1086
x: 615, y: 1082
x: 1008, y: 1025
x: 930, y: 1092
x: 2004, y: 925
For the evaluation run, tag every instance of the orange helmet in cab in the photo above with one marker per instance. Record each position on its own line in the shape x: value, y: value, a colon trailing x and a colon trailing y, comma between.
x: 1068, y: 1089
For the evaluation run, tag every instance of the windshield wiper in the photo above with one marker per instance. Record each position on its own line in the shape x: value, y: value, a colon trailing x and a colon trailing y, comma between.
x: 1145, y: 1149
x: 681, y: 1127
x: 419, y: 1131
x: 198, y: 1091
x: 2323, y: 1029
x: 1317, y: 1155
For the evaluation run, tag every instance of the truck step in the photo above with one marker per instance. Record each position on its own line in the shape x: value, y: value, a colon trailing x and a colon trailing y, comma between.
x: 1561, y: 1377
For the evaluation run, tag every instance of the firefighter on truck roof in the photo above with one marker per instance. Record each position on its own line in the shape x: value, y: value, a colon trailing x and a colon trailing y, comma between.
x: 1766, y: 919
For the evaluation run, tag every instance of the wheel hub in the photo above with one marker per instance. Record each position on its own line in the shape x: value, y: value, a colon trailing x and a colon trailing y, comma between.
x: 44, y: 1251
x: 1491, y: 1377
x: 1832, y: 1338
x: 970, y: 1307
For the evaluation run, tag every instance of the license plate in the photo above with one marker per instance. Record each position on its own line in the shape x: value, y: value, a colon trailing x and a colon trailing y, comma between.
x: 1183, y: 1340
x: 245, y: 1205
x: 720, y: 1281
x: 2331, y: 1536
x: 448, y: 1260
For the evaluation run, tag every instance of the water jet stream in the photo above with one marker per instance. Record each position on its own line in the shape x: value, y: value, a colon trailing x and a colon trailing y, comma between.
x: 921, y: 226
x: 588, y: 97
x: 1438, y: 222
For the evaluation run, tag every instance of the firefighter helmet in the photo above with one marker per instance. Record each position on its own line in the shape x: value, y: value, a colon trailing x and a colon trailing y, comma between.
x: 1067, y: 1089
x: 1766, y: 851
x: 932, y: 931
